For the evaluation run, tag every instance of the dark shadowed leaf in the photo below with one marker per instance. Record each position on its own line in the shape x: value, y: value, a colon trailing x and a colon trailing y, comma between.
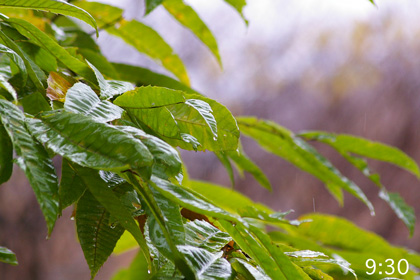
x: 71, y: 187
x: 35, y: 103
x: 34, y: 161
x: 6, y: 156
x: 152, y: 4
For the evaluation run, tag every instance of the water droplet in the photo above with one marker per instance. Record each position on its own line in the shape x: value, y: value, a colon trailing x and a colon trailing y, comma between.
x: 112, y: 226
x: 72, y: 218
x: 215, y: 138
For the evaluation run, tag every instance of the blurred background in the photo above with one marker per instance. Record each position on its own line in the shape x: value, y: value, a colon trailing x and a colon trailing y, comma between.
x: 340, y: 66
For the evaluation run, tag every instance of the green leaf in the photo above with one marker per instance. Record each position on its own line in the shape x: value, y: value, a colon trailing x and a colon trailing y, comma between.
x: 224, y: 159
x: 100, y: 62
x: 6, y: 155
x: 125, y: 243
x: 16, y: 59
x: 201, y: 234
x: 41, y: 57
x: 148, y: 41
x: 247, y: 270
x: 53, y: 6
x: 191, y: 201
x: 110, y: 89
x: 7, y: 256
x: 44, y: 41
x: 96, y: 234
x: 33, y: 160
x: 283, y: 143
x: 106, y: 197
x: 191, y: 20
x: 206, y: 264
x: 363, y: 147
x: 271, y: 259
x: 8, y: 87
x: 105, y: 15
x: 35, y: 73
x: 223, y: 197
x: 152, y: 4
x: 87, y: 143
x: 71, y: 187
x: 144, y: 77
x: 238, y: 5
x: 200, y: 117
x: 81, y: 99
x: 244, y: 163
x: 138, y: 270
x: 400, y: 207
x: 272, y: 218
x: 165, y: 156
x: 35, y: 103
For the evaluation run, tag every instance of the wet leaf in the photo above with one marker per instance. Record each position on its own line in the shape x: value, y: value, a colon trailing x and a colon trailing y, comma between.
x: 58, y: 85
x: 7, y: 256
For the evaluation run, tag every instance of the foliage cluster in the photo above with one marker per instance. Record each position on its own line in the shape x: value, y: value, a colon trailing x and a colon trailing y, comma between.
x: 118, y: 128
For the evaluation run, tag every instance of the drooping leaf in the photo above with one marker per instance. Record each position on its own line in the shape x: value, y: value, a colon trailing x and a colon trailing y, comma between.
x: 145, y: 77
x: 366, y: 148
x: 81, y: 99
x: 201, y: 234
x: 7, y: 256
x: 6, y: 156
x: 91, y: 144
x: 44, y: 41
x: 109, y: 201
x: 104, y: 14
x: 53, y: 6
x: 96, y: 234
x: 244, y: 163
x: 152, y: 4
x: 191, y: 20
x: 238, y: 5
x: 206, y: 264
x: 271, y: 259
x: 224, y: 159
x: 283, y: 143
x: 71, y: 187
x: 401, y: 208
x: 149, y: 42
x: 110, y: 89
x: 35, y: 73
x: 16, y: 59
x: 191, y: 201
x: 33, y: 160
x: 223, y: 197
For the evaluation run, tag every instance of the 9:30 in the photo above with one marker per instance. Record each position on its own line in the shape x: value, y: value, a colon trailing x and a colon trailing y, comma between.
x: 402, y: 267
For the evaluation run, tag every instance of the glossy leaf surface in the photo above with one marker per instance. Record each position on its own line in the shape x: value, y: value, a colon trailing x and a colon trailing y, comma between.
x: 33, y: 160
x: 16, y: 59
x: 201, y: 234
x: 96, y: 234
x: 91, y: 144
x: 7, y: 256
x: 81, y: 99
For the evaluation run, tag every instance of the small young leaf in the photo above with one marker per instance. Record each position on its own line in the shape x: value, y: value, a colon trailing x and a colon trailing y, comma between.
x: 81, y: 99
x: 7, y: 256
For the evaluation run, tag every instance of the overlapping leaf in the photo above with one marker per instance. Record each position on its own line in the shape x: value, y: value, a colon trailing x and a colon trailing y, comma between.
x: 201, y: 234
x: 71, y: 187
x: 81, y: 99
x: 91, y: 144
x: 17, y: 60
x: 191, y: 20
x: 34, y: 161
x: 54, y: 6
x: 283, y: 143
x: 96, y: 234
x: 35, y: 103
